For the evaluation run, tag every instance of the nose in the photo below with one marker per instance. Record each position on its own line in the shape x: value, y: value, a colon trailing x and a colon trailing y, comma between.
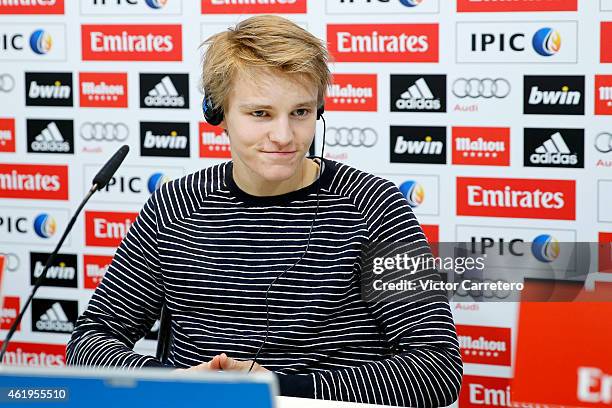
x: 281, y: 132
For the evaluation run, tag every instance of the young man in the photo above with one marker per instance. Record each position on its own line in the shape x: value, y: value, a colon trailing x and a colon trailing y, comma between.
x: 209, y: 246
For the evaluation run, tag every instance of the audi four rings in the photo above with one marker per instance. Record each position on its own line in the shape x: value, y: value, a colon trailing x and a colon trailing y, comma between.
x: 481, y: 88
x: 104, y: 131
x: 356, y: 137
x: 603, y: 142
x: 11, y: 261
x: 7, y: 83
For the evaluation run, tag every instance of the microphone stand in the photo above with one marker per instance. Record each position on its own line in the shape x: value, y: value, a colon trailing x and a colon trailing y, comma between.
x: 100, y: 181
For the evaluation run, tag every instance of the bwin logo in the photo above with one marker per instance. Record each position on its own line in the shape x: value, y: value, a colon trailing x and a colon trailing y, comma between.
x: 171, y: 141
x: 55, y: 91
x: 156, y: 181
x: 426, y: 146
x: 156, y: 4
x: 41, y: 42
x: 545, y: 248
x: 562, y: 97
x: 61, y: 271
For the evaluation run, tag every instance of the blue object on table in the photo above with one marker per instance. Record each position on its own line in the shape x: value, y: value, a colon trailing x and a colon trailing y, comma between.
x: 150, y: 388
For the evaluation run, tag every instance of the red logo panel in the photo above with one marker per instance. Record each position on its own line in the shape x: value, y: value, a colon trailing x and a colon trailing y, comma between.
x: 487, y: 146
x: 34, y: 181
x: 259, y: 7
x: 516, y: 5
x: 8, y: 313
x: 383, y: 42
x: 107, y: 229
x: 35, y: 355
x: 516, y: 198
x: 214, y: 143
x: 479, y: 391
x: 94, y: 268
x: 605, y: 252
x: 7, y: 135
x: 485, y: 345
x: 605, y: 42
x: 136, y: 42
x: 103, y: 89
x: 352, y: 92
x: 32, y: 7
x: 603, y: 94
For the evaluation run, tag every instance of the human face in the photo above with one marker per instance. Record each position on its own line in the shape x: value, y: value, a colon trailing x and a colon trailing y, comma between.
x: 270, y: 122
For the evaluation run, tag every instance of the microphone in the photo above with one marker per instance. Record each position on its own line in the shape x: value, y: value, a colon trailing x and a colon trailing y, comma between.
x: 106, y: 172
x: 99, y: 182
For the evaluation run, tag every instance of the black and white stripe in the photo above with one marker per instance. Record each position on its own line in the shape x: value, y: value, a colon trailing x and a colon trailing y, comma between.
x: 209, y: 250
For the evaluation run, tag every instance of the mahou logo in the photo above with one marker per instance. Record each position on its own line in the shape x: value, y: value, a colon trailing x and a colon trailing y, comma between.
x: 35, y: 355
x: 383, y: 42
x: 7, y: 135
x: 34, y: 181
x: 479, y: 391
x: 123, y: 42
x: 481, y: 146
x: 253, y: 6
x: 485, y: 345
x: 32, y: 7
x: 352, y: 92
x: 516, y: 198
x: 214, y: 142
x: 107, y: 229
x: 8, y: 313
x: 605, y: 42
x: 103, y: 89
x: 603, y: 95
x: 516, y: 5
x: 94, y: 268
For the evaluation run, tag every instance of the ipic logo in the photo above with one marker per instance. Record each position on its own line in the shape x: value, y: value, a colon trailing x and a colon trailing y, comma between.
x: 214, y: 142
x: 352, y: 92
x: 41, y: 42
x: 7, y: 135
x: 418, y: 93
x: 544, y: 147
x: 45, y: 225
x: 103, y: 89
x: 107, y: 229
x: 545, y: 248
x: 413, y: 192
x: 48, y: 88
x: 54, y: 316
x: 50, y: 136
x: 164, y: 139
x: 546, y: 41
x: 417, y: 144
x: 603, y: 94
x: 32, y: 42
x: 553, y: 95
x: 62, y: 273
x: 164, y: 91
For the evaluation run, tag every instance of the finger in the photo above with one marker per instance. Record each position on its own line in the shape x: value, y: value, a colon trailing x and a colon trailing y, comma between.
x: 215, y: 363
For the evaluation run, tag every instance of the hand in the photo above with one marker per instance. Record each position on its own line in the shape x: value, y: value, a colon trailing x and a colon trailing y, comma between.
x: 225, y: 363
x: 200, y: 367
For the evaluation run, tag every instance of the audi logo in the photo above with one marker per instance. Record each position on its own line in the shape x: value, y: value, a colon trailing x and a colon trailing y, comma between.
x: 481, y: 88
x: 99, y: 131
x: 603, y: 142
x: 356, y: 137
x: 487, y: 294
x: 11, y: 261
x: 7, y: 83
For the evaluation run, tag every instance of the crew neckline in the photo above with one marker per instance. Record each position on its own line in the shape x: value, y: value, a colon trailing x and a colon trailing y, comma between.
x: 300, y: 194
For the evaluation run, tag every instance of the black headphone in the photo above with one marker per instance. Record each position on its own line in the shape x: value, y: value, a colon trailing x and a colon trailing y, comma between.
x: 215, y: 116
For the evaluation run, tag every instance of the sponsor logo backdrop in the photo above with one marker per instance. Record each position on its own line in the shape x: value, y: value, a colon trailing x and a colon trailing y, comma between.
x: 455, y: 101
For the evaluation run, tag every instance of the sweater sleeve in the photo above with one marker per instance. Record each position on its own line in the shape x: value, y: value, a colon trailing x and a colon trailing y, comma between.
x: 126, y: 303
x: 424, y: 366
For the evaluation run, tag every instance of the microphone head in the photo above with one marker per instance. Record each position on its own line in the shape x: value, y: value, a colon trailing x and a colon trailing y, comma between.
x: 108, y: 170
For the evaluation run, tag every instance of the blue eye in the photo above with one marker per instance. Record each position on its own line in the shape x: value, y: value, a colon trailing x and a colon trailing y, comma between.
x: 258, y: 114
x: 302, y: 112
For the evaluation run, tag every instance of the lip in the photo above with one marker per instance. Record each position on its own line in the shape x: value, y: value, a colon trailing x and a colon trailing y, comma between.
x: 280, y: 154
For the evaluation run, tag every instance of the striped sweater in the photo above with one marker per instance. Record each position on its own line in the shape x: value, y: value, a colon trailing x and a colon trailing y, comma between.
x: 209, y: 251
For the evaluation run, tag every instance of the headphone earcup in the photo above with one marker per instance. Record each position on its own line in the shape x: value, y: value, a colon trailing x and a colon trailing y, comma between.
x: 320, y: 111
x: 212, y: 116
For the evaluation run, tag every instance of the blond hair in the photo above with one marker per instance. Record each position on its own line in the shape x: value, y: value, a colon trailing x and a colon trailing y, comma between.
x: 265, y: 41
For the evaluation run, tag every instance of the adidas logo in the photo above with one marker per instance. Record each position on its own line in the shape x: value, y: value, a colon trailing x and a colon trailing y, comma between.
x: 50, y: 140
x: 554, y: 151
x: 55, y: 320
x: 562, y: 97
x: 164, y: 94
x: 171, y: 141
x: 418, y: 96
x: 55, y: 91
